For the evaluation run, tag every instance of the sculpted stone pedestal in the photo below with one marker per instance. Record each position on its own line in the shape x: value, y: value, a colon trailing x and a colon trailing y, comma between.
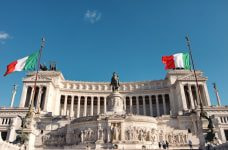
x: 115, y: 103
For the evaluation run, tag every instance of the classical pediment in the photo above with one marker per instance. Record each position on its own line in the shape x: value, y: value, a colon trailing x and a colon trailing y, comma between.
x: 39, y: 78
x: 191, y: 77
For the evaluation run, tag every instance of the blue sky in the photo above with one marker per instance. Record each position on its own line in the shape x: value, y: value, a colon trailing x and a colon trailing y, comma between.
x: 90, y: 39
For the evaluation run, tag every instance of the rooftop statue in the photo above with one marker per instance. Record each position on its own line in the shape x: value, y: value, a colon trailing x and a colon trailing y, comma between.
x: 52, y: 66
x: 115, y: 82
x: 43, y: 67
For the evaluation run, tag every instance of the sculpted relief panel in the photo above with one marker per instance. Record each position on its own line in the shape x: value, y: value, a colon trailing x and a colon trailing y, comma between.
x: 140, y: 134
x: 55, y: 139
x: 114, y: 132
x: 73, y: 137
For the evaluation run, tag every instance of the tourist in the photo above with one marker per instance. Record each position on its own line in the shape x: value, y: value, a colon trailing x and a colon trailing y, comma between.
x: 159, y: 145
x: 167, y: 144
x: 190, y: 144
x: 163, y: 145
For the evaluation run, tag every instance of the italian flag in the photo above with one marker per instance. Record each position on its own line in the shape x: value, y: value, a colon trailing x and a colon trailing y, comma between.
x: 26, y: 63
x: 179, y: 60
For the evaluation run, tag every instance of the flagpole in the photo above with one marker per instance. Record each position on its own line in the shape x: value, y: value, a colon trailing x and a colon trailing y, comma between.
x: 37, y: 71
x: 194, y: 71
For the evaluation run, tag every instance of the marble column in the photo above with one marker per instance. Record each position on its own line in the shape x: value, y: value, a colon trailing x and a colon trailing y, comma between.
x: 164, y: 104
x: 157, y: 106
x: 72, y: 106
x: 130, y: 104
x: 191, y: 97
x: 105, y: 104
x: 46, y: 97
x: 11, y: 135
x: 197, y: 95
x: 98, y: 105
x: 78, y: 109
x: 206, y: 95
x: 225, y: 119
x: 183, y: 98
x: 85, y: 106
x: 39, y: 98
x: 32, y: 96
x: 137, y: 104
x: 151, y: 109
x: 144, y: 106
x: 91, y: 109
x: 65, y: 106
x: 23, y: 96
x: 125, y: 104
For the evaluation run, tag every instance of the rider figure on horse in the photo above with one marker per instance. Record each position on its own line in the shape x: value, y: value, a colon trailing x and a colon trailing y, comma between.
x: 115, y: 82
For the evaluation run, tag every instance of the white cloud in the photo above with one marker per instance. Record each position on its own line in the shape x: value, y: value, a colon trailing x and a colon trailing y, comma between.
x: 92, y: 16
x: 4, y: 36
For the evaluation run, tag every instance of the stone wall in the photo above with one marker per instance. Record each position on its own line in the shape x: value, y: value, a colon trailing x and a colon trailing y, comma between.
x: 8, y: 146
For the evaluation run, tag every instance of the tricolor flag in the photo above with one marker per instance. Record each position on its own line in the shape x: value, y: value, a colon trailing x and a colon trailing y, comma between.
x: 179, y: 60
x: 26, y: 63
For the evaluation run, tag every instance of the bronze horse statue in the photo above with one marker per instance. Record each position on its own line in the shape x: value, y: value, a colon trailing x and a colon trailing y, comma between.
x: 115, y: 82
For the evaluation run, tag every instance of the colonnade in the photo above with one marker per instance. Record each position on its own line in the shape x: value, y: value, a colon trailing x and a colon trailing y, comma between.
x: 5, y: 121
x: 192, y: 96
x: 223, y: 119
x: 148, y: 105
x: 39, y: 98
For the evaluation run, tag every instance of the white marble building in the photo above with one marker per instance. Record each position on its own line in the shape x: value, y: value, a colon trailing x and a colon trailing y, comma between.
x: 74, y: 114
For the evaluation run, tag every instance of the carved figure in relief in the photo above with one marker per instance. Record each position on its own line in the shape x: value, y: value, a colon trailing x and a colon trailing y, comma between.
x: 170, y: 138
x: 181, y: 137
x: 141, y: 135
x: 153, y: 135
x: 149, y: 135
x: 89, y: 134
x: 82, y: 136
x: 129, y: 133
x: 135, y: 134
x: 115, y: 132
x: 54, y: 139
x: 185, y: 138
x: 176, y: 139
x: 161, y: 135
x: 100, y: 133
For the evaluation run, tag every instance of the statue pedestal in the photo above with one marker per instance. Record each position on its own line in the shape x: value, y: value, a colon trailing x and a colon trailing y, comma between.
x: 115, y: 103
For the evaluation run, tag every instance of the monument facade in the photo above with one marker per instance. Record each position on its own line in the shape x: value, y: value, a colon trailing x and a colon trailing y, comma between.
x: 120, y: 115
